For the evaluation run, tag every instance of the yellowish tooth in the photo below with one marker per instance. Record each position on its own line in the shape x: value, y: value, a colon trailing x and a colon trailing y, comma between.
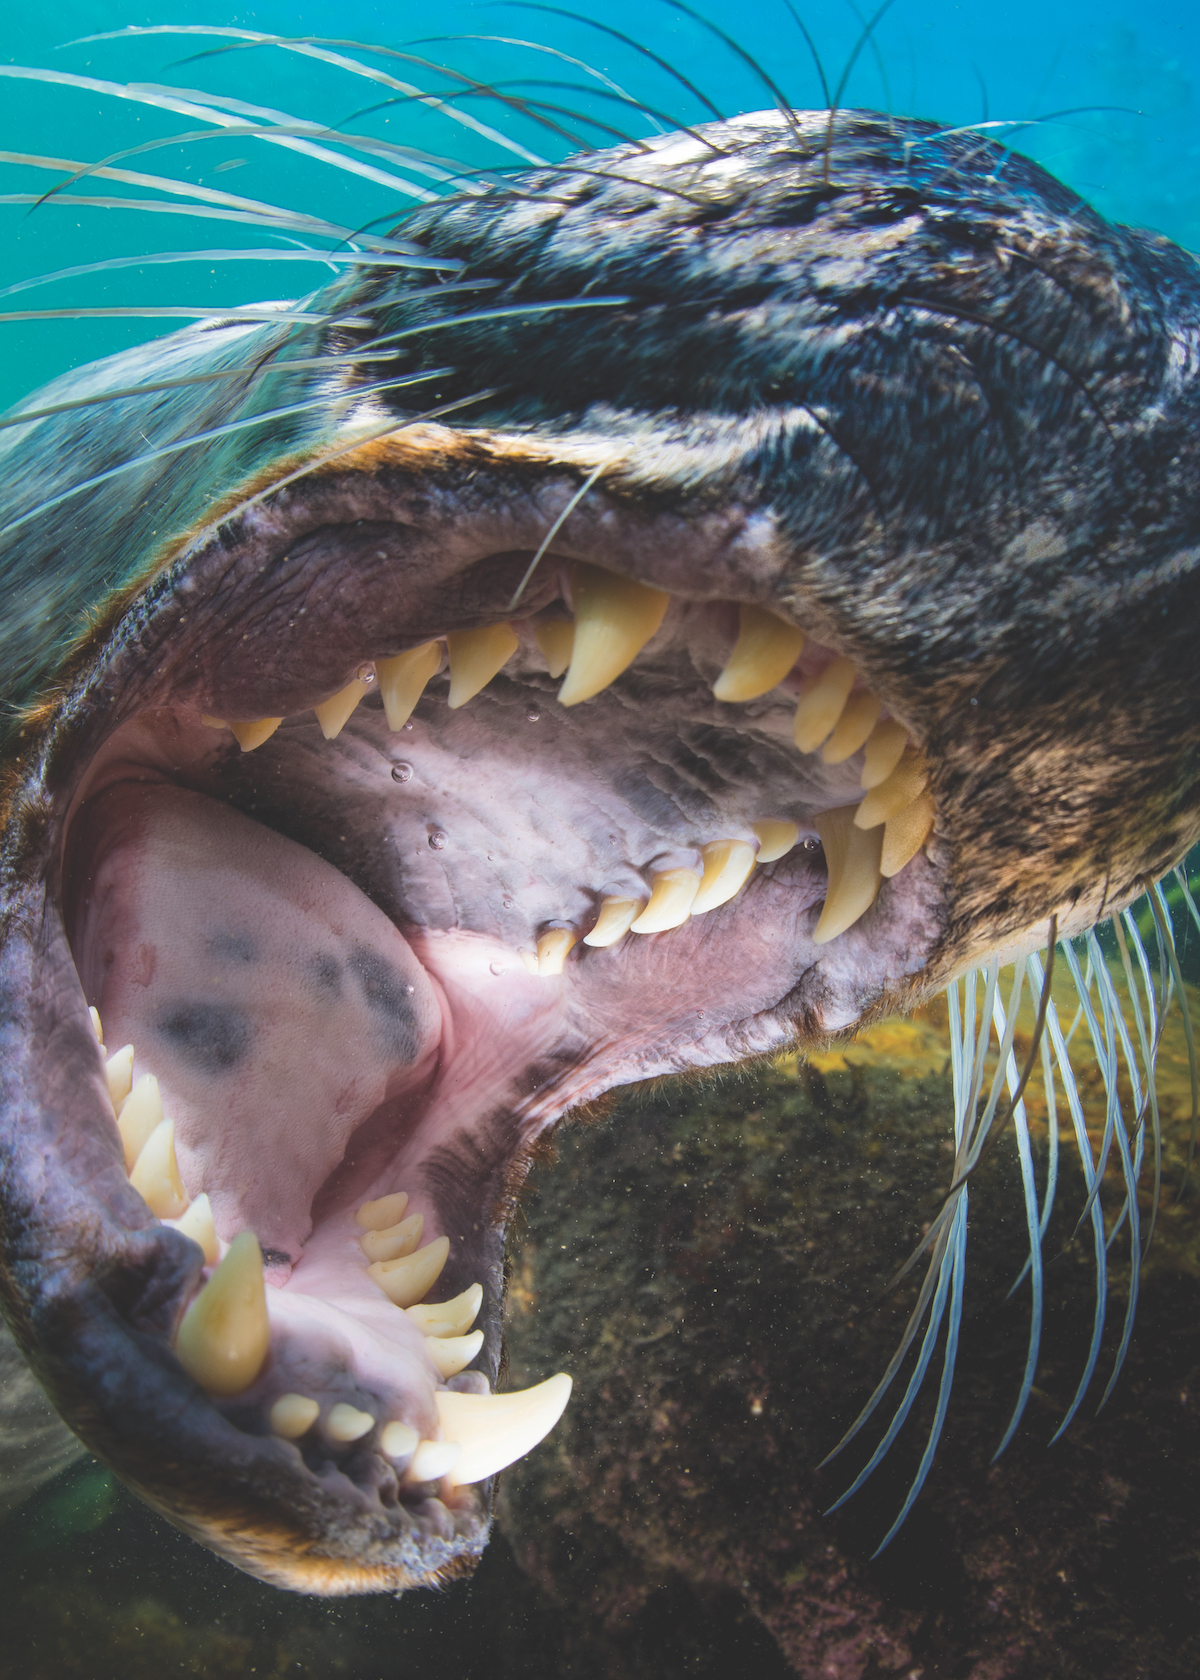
x: 409, y: 1280
x: 452, y: 1354
x: 906, y: 781
x: 529, y: 961
x: 617, y: 916
x: 494, y: 1430
x: 432, y: 1460
x: 764, y: 653
x: 672, y: 894
x: 614, y: 619
x: 552, y: 949
x: 394, y: 1242
x: 212, y: 722
x: 852, y: 862
x: 196, y: 1221
x: 347, y: 1423
x: 94, y: 1017
x: 852, y: 728
x: 225, y: 1333
x: 119, y: 1072
x: 140, y: 1113
x: 293, y: 1415
x: 822, y: 700
x: 155, y: 1174
x: 905, y: 833
x: 333, y: 714
x: 253, y: 734
x: 775, y: 838
x: 882, y: 752
x: 402, y: 680
x: 727, y: 867
x: 398, y: 1440
x: 380, y: 1215
x: 556, y: 638
x: 475, y: 657
x: 448, y: 1318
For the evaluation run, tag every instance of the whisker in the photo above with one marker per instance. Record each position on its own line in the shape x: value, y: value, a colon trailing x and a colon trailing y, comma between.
x: 812, y: 47
x: 865, y: 35
x: 271, y: 253
x: 537, y: 47
x: 777, y: 94
x: 184, y: 312
x: 297, y: 223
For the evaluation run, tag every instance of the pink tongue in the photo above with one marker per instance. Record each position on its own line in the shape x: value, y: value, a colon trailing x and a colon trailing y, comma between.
x: 277, y: 1006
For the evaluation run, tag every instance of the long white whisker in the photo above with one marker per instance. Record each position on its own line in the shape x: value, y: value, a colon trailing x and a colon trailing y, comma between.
x: 273, y: 223
x: 248, y: 253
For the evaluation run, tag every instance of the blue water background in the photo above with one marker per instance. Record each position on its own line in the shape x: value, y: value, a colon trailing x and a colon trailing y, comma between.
x: 1127, y: 73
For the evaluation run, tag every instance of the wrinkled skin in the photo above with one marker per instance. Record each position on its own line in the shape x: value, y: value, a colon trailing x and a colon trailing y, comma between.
x: 921, y: 402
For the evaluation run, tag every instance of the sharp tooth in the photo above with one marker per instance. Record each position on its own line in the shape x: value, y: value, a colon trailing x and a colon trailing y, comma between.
x: 432, y: 1459
x: 494, y: 1430
x: 347, y: 1423
x: 905, y: 833
x: 387, y: 1211
x: 822, y: 700
x: 852, y: 862
x: 727, y: 866
x: 293, y: 1415
x: 475, y: 657
x: 614, y: 619
x: 394, y: 1242
x: 764, y: 653
x: 196, y: 1222
x: 119, y: 1072
x: 409, y: 1280
x: 556, y: 638
x: 853, y: 727
x: 616, y: 917
x: 155, y: 1174
x: 212, y: 722
x: 140, y: 1113
x: 775, y: 839
x: 672, y: 894
x: 334, y: 713
x: 402, y: 680
x: 883, y: 750
x: 552, y: 949
x: 94, y: 1017
x: 251, y: 735
x: 225, y: 1333
x: 906, y: 781
x: 452, y: 1354
x: 449, y: 1318
x: 398, y: 1440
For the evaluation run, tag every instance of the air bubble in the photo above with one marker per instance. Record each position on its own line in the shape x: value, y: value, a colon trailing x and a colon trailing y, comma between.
x: 508, y: 903
x: 496, y: 967
x: 402, y: 772
x: 366, y: 673
x: 533, y: 715
x: 437, y: 839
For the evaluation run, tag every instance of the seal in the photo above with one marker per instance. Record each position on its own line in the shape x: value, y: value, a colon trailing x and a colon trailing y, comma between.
x: 844, y: 471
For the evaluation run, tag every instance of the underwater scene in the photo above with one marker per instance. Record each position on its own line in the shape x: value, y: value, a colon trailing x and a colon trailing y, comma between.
x: 861, y: 1225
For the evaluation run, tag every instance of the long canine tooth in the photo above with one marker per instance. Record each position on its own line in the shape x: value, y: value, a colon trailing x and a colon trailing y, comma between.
x: 432, y: 1460
x: 395, y: 1241
x: 293, y: 1415
x: 402, y: 680
x: 614, y: 619
x: 225, y: 1333
x: 196, y: 1221
x: 379, y: 1215
x: 617, y: 916
x: 452, y: 1354
x: 884, y: 747
x: 764, y: 653
x: 852, y: 861
x: 906, y: 781
x: 118, y: 1070
x: 253, y: 734
x: 449, y: 1318
x: 775, y: 838
x: 672, y: 895
x: 822, y: 700
x: 552, y: 949
x: 94, y: 1018
x: 475, y: 657
x: 905, y: 833
x: 556, y: 638
x: 347, y: 1423
x: 155, y: 1174
x: 398, y: 1440
x: 140, y: 1113
x: 852, y: 728
x: 333, y: 714
x: 494, y: 1430
x: 727, y: 867
x: 409, y: 1280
